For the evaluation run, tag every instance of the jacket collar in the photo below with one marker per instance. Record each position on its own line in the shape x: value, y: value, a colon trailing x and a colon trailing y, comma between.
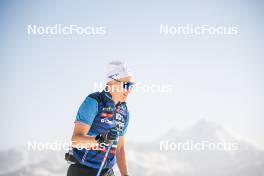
x: 108, y: 97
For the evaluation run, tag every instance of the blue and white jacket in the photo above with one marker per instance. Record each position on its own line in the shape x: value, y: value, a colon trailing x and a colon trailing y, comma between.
x: 100, y: 112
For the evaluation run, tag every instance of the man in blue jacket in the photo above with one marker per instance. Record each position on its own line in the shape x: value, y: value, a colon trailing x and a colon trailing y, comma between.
x: 101, y: 123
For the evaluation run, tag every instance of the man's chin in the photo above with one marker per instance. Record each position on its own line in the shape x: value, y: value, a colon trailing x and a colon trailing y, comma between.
x: 123, y: 99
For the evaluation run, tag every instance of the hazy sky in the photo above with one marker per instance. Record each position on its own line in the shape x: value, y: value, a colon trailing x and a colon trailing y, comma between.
x: 44, y: 78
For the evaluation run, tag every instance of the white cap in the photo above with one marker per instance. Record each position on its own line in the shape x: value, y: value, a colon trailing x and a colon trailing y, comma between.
x: 117, y: 70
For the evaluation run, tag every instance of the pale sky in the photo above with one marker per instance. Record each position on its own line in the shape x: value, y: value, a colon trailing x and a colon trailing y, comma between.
x: 44, y: 79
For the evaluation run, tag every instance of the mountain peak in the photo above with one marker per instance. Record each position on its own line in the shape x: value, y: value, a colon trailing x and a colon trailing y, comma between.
x: 203, y: 129
x: 206, y: 124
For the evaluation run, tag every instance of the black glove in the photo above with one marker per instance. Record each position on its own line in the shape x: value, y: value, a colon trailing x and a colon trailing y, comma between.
x: 108, y: 136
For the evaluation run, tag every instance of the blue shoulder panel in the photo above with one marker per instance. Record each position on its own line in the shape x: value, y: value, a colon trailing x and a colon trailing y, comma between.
x: 87, y: 111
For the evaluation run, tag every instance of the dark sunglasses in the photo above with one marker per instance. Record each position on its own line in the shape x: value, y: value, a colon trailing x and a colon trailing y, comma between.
x: 126, y: 85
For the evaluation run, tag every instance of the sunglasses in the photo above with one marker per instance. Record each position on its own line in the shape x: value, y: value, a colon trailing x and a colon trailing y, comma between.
x: 126, y: 85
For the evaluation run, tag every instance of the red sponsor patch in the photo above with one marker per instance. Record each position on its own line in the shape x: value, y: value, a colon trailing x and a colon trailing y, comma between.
x: 106, y: 115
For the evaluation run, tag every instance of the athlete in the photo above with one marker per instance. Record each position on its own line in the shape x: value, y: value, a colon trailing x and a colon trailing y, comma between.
x: 101, y: 124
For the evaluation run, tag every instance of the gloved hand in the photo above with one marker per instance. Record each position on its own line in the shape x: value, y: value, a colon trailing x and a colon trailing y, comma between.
x: 108, y: 136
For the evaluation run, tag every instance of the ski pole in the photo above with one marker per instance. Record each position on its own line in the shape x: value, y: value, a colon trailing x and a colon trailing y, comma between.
x: 107, y: 152
x: 104, y: 159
